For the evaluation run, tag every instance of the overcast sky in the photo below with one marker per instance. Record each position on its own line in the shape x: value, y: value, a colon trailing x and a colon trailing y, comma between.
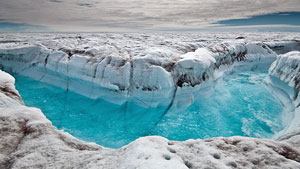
x: 142, y: 15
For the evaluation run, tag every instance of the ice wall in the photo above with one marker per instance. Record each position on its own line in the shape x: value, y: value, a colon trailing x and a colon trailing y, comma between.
x: 285, y: 76
x: 282, y: 47
x: 115, y: 72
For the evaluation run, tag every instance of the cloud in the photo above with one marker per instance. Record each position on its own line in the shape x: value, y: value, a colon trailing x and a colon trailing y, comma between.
x: 136, y: 15
x: 85, y: 4
x: 56, y: 1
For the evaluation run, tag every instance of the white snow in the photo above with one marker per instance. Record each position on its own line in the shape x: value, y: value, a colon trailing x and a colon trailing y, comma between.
x: 201, y: 56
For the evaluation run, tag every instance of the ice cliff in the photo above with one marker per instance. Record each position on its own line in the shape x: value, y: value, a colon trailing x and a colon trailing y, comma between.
x: 154, y: 67
x: 284, y: 76
x: 144, y: 67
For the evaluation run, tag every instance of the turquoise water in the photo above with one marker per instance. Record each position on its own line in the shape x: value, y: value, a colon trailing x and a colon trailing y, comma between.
x: 240, y: 105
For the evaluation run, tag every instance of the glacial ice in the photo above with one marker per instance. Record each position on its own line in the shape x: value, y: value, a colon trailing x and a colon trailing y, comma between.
x: 143, y: 66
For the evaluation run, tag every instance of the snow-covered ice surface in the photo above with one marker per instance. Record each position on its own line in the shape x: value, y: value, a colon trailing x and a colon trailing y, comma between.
x: 149, y: 67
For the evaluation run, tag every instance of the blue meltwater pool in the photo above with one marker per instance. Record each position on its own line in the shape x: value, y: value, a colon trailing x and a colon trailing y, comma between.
x: 239, y: 105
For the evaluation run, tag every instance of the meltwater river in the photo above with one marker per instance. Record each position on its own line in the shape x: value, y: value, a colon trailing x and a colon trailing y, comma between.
x: 240, y: 105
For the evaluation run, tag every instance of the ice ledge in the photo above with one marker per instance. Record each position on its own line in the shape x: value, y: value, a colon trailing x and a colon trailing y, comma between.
x: 28, y: 140
x: 7, y: 89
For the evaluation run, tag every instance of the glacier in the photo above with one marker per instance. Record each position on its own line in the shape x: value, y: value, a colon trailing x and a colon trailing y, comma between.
x: 144, y: 68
